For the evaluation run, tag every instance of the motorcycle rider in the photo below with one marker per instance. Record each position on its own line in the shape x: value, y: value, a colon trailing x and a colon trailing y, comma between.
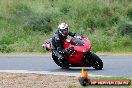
x: 58, y: 40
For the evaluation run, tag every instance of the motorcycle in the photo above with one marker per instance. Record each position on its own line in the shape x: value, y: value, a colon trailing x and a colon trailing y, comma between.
x: 80, y: 54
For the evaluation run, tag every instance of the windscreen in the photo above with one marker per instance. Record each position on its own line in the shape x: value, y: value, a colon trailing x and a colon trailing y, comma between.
x: 77, y: 42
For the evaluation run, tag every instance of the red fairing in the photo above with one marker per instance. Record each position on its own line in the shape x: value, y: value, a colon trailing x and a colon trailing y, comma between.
x: 86, y: 47
x: 76, y: 57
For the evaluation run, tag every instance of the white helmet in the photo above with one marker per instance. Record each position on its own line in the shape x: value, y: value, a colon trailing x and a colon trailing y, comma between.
x: 63, y: 29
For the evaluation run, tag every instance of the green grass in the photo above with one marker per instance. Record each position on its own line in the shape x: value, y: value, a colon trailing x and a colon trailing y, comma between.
x: 104, y: 78
x: 25, y: 24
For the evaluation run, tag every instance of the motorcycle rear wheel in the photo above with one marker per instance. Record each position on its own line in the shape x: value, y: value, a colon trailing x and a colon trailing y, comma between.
x: 63, y: 65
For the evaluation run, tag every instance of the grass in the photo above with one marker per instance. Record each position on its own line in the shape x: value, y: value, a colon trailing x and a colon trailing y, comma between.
x: 105, y: 78
x: 25, y: 24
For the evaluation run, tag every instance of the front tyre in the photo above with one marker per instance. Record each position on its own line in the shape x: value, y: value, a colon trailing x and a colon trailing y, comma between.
x: 96, y: 62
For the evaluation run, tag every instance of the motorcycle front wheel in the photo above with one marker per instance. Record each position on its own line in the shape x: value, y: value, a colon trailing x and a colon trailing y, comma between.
x: 96, y: 62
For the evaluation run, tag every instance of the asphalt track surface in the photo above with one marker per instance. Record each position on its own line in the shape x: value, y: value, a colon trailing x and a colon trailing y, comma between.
x: 113, y: 65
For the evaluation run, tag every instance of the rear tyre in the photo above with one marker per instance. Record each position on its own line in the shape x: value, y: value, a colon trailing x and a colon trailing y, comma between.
x: 63, y: 65
x: 55, y: 58
x: 96, y: 62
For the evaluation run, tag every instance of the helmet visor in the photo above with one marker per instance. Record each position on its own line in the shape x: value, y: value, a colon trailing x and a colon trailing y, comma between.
x: 64, y: 31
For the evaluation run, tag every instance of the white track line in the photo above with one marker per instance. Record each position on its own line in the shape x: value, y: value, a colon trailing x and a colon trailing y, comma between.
x: 50, y: 73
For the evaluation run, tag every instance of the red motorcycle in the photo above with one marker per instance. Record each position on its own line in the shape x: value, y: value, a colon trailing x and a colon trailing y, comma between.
x: 80, y: 54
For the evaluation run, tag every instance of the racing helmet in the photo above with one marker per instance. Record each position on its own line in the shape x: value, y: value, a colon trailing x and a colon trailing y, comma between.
x: 63, y: 29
